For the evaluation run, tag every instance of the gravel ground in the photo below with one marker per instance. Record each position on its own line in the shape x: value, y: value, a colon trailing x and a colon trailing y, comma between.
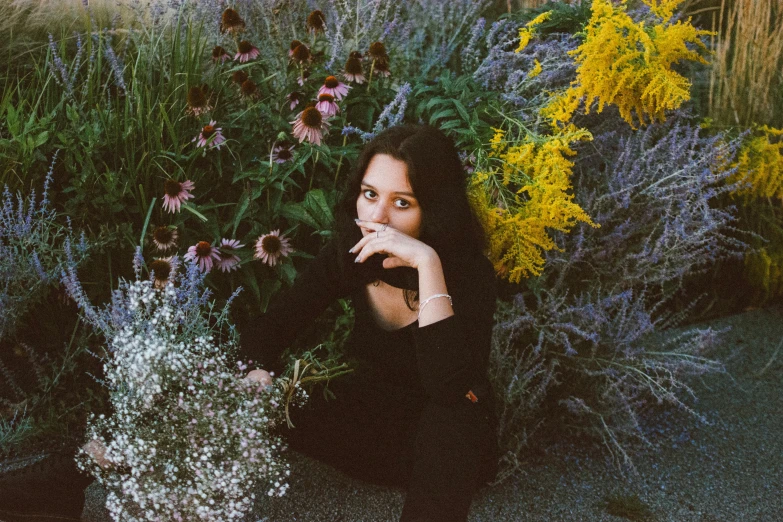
x: 728, y: 470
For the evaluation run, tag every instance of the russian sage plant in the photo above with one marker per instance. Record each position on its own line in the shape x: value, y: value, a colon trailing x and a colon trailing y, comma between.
x: 187, y: 438
x: 31, y: 252
x: 591, y: 339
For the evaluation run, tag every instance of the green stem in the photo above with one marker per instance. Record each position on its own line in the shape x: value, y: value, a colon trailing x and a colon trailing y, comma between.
x: 315, y: 164
x: 340, y: 162
x: 369, y: 80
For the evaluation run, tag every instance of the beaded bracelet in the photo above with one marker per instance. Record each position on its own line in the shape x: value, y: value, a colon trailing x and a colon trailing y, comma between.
x: 421, y: 307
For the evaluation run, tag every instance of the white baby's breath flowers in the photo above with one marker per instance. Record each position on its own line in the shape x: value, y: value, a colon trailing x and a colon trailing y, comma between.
x: 188, y: 438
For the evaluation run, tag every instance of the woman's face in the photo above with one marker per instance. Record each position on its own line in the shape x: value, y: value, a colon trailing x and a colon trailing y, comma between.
x: 386, y: 196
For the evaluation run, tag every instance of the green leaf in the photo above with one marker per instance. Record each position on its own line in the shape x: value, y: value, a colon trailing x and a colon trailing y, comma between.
x: 193, y: 211
x: 268, y: 288
x: 12, y: 120
x: 462, y: 111
x: 42, y: 138
x: 244, y: 202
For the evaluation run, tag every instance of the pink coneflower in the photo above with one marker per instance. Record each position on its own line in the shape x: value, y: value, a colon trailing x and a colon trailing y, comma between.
x: 220, y: 54
x: 231, y: 22
x: 162, y: 268
x: 310, y: 125
x: 164, y: 238
x: 294, y: 45
x: 300, y: 53
x: 334, y: 87
x: 316, y: 22
x: 282, y: 152
x: 381, y: 68
x: 228, y: 259
x: 248, y: 89
x: 354, y: 72
x: 378, y: 51
x: 176, y: 193
x: 246, y: 51
x: 239, y: 77
x: 198, y: 102
x: 203, y: 254
x: 293, y: 99
x: 327, y: 105
x: 210, y: 135
x: 271, y: 247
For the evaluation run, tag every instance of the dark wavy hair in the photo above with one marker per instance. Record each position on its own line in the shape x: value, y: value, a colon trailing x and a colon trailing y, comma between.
x: 439, y: 182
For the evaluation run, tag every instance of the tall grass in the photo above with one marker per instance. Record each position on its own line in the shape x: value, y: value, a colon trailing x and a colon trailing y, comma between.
x: 747, y: 68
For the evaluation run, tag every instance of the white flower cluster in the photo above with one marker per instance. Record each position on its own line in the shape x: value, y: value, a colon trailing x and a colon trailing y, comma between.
x: 188, y: 439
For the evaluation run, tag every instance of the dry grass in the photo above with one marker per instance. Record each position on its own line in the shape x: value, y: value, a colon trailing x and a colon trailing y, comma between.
x: 746, y: 73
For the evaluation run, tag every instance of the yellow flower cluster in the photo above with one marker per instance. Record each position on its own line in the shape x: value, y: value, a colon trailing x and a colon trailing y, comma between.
x: 761, y: 164
x: 764, y: 269
x: 536, y: 70
x: 526, y: 33
x: 529, y: 193
x: 629, y: 65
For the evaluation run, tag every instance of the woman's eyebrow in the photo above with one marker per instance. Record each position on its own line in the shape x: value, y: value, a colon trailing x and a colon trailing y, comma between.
x: 410, y: 194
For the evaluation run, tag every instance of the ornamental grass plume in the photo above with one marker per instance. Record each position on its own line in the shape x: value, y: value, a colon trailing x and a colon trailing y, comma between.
x: 188, y: 438
x: 629, y: 64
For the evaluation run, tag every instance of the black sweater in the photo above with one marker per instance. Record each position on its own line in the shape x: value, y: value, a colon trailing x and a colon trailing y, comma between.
x: 441, y: 361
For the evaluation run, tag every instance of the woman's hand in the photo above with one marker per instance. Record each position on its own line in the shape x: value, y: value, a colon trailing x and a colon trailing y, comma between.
x: 260, y: 377
x: 403, y: 250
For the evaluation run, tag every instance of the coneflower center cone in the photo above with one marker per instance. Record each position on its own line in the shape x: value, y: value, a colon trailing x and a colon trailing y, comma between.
x: 196, y: 97
x: 203, y: 249
x: 331, y: 82
x: 325, y: 97
x: 301, y: 53
x: 172, y: 188
x: 272, y: 244
x: 245, y: 47
x: 248, y: 87
x: 353, y: 66
x: 231, y: 19
x: 161, y: 268
x: 163, y: 235
x: 239, y: 77
x: 312, y: 118
x: 208, y: 131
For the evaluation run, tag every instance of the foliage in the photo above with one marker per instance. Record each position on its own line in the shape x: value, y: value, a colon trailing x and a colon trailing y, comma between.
x: 624, y: 63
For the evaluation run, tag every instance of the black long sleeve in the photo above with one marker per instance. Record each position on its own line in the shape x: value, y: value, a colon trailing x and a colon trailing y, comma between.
x: 265, y: 336
x: 452, y: 354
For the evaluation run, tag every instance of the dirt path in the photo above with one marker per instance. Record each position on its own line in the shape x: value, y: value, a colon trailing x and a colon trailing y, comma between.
x: 728, y: 471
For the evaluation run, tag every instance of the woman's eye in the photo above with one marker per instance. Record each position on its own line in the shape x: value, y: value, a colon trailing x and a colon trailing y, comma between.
x: 405, y: 203
x: 370, y: 191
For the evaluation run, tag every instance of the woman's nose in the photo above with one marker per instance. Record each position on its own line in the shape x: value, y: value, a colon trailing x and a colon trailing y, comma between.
x: 379, y: 214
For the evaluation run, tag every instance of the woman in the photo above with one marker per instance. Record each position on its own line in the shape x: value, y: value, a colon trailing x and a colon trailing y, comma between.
x: 417, y: 413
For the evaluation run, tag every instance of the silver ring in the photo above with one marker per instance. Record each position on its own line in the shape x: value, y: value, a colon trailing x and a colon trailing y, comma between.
x: 384, y: 227
x: 378, y: 233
